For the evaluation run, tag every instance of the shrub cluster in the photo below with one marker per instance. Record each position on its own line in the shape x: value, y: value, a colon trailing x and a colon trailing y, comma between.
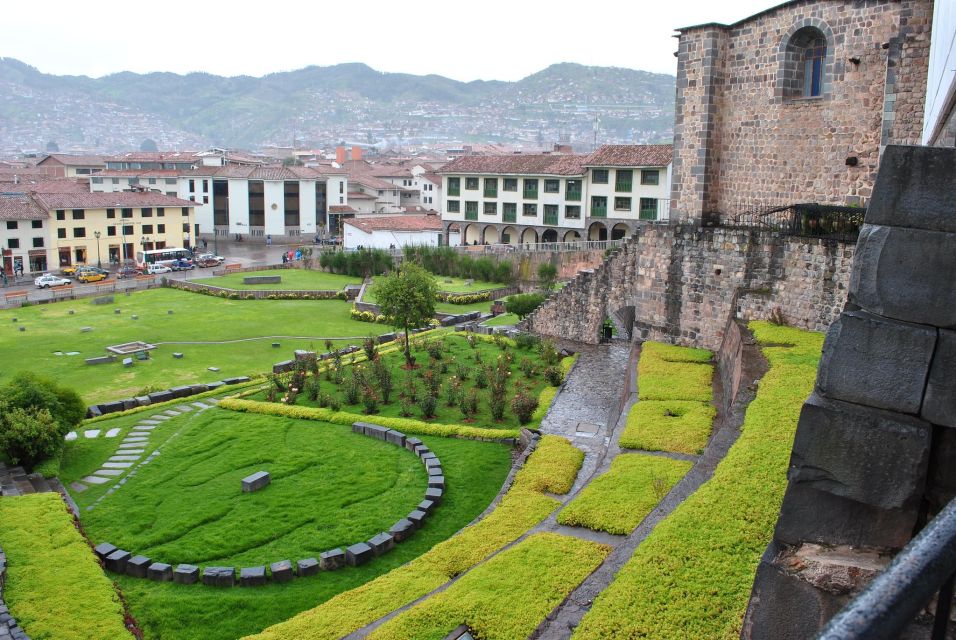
x: 234, y: 294
x: 360, y: 264
x: 446, y: 261
x: 368, y: 316
x: 35, y: 415
x: 464, y: 298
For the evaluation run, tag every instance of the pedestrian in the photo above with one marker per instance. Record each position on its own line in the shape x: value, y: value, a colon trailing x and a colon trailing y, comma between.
x: 269, y: 239
x: 18, y: 267
x: 3, y: 274
x: 205, y: 243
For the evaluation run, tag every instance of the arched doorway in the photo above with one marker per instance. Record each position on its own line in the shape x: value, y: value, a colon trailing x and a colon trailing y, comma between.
x: 620, y: 231
x: 529, y: 236
x: 509, y: 235
x: 490, y: 235
x: 597, y: 231
x: 549, y: 235
x: 618, y: 325
x: 471, y: 234
x: 571, y: 236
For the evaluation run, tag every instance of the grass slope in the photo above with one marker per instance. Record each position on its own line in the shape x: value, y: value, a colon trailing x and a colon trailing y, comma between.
x: 292, y: 280
x: 691, y: 578
x: 494, y: 599
x: 618, y: 500
x: 55, y: 587
x: 503, y: 320
x: 50, y: 328
x: 666, y: 372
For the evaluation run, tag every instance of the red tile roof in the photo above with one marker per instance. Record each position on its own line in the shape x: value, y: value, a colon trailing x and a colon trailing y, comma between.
x: 631, y: 155
x: 256, y: 172
x: 517, y: 164
x: 108, y: 200
x: 20, y: 206
x: 341, y: 208
x: 396, y: 223
x: 139, y: 173
x: 154, y: 156
x: 75, y: 161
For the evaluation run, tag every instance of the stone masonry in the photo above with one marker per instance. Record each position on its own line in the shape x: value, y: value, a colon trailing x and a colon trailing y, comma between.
x: 875, y: 447
x: 680, y: 284
x: 746, y: 138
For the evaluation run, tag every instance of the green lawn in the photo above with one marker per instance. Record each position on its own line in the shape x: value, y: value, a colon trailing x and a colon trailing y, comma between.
x: 330, y: 487
x: 503, y: 320
x: 50, y: 328
x: 458, y: 285
x: 456, y: 309
x: 292, y: 279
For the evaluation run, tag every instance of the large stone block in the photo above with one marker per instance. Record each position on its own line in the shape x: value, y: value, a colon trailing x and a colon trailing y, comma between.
x: 160, y: 396
x: 869, y: 455
x: 395, y: 437
x: 939, y: 403
x: 434, y: 494
x: 810, y: 515
x: 411, y: 443
x: 436, y: 482
x: 906, y: 274
x: 281, y: 571
x: 160, y: 572
x: 381, y: 543
x: 434, y: 471
x: 116, y: 561
x: 401, y: 530
x: 306, y: 567
x: 941, y: 480
x: 104, y: 549
x: 138, y: 566
x: 877, y: 362
x: 375, y: 431
x: 252, y: 576
x: 416, y: 517
x: 331, y: 560
x: 358, y: 553
x: 186, y: 574
x: 426, y: 506
x: 914, y: 188
x: 219, y: 576
x: 256, y: 481
x: 432, y: 462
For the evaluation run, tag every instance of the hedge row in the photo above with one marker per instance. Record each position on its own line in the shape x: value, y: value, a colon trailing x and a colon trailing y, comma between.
x: 691, y: 578
x: 666, y: 372
x: 495, y: 600
x: 683, y: 426
x: 55, y: 587
x: 556, y: 466
x: 520, y: 509
x: 464, y: 298
x: 618, y: 500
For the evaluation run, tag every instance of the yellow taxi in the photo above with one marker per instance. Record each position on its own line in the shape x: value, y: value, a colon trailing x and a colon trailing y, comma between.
x: 89, y: 275
x: 71, y: 269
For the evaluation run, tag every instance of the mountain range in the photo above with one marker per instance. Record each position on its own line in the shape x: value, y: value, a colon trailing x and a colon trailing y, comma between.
x: 317, y: 106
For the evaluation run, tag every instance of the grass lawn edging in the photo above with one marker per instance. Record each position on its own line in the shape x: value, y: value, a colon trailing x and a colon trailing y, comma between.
x: 691, y: 577
x: 55, y: 587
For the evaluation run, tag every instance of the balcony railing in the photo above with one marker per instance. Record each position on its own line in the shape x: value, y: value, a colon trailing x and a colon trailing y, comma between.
x: 491, y: 193
x: 529, y: 194
x: 510, y: 216
x: 551, y: 218
x: 806, y: 220
x: 573, y: 195
x: 624, y: 186
x: 471, y: 214
x: 599, y: 212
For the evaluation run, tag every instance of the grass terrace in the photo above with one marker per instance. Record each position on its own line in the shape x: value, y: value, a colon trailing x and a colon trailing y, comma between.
x: 505, y: 319
x: 461, y: 285
x: 292, y: 280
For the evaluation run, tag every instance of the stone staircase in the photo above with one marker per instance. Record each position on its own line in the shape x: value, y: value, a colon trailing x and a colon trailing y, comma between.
x: 15, y: 481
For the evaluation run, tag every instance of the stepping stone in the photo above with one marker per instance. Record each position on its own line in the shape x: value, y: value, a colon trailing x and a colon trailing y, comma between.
x: 150, y: 422
x: 117, y: 465
x: 135, y: 438
x: 159, y: 417
x: 130, y: 452
x: 124, y: 458
x: 143, y: 428
x: 95, y: 480
x: 213, y: 400
x: 79, y: 487
x: 112, y: 433
x: 200, y: 405
x: 72, y: 353
x: 213, y: 369
x: 183, y: 408
x: 91, y: 433
x: 109, y: 472
x: 131, y: 445
x: 70, y: 436
x: 171, y: 413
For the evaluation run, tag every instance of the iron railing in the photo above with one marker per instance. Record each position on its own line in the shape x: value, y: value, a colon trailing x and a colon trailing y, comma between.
x: 926, y: 566
x: 809, y: 220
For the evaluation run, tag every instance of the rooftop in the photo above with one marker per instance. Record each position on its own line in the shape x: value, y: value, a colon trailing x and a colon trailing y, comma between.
x: 369, y: 224
x: 517, y: 164
x: 631, y: 155
x: 20, y: 206
x: 108, y: 200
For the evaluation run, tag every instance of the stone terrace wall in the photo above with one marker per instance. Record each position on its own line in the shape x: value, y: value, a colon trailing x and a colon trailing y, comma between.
x: 681, y: 284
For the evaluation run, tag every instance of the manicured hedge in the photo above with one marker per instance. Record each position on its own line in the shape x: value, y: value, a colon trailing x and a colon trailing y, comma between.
x: 691, y: 578
x: 618, y: 500
x: 567, y: 363
x: 520, y: 509
x: 508, y: 596
x: 556, y: 466
x: 683, y: 426
x: 55, y: 587
x: 666, y: 372
x: 464, y: 298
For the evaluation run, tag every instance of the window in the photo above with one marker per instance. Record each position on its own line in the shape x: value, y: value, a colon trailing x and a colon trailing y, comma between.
x: 551, y: 214
x: 205, y: 199
x: 111, y: 213
x: 170, y: 180
x: 185, y: 211
x: 160, y: 212
x: 37, y: 224
x: 599, y: 206
x: 509, y: 211
x: 454, y: 186
x: 530, y: 188
x: 510, y: 184
x: 79, y: 232
x: 127, y: 213
x: 60, y: 214
x: 38, y: 243
x: 622, y: 204
x: 572, y: 212
x: 61, y: 233
x: 813, y: 68
x: 147, y: 228
x: 114, y: 180
x: 146, y: 212
x: 192, y: 186
x: 13, y: 243
x: 572, y: 190
x: 623, y: 179
x: 491, y: 208
x: 185, y: 227
x: 552, y: 186
x: 651, y: 177
x: 205, y: 186
x: 529, y: 209
x: 341, y: 187
x: 79, y: 214
x: 11, y: 224
x: 128, y: 230
x: 96, y: 180
x: 491, y: 187
x: 152, y: 180
x: 804, y: 67
x: 599, y: 176
x: 648, y: 209
x: 111, y: 230
x: 454, y: 206
x: 160, y: 228
x: 471, y: 210
x: 471, y: 184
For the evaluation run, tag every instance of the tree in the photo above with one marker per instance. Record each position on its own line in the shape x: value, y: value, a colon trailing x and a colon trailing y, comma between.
x: 547, y: 273
x: 148, y: 145
x: 523, y: 304
x: 27, y: 390
x: 408, y: 297
x: 28, y: 436
x: 52, y: 146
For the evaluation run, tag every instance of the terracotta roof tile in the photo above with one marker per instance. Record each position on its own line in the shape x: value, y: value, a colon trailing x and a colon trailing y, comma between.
x: 517, y: 164
x: 631, y: 155
x: 108, y: 200
x: 154, y: 156
x: 340, y: 208
x: 20, y: 206
x: 396, y: 223
x: 75, y: 161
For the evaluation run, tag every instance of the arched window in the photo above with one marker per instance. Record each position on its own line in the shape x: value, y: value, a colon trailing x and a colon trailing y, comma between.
x: 804, y: 70
x: 813, y: 57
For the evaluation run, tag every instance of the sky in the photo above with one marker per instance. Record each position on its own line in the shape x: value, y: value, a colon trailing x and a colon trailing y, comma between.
x: 488, y: 40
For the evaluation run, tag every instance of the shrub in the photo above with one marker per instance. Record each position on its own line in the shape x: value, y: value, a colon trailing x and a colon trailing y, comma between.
x: 313, y: 388
x: 368, y: 345
x: 383, y: 375
x: 27, y: 390
x: 553, y: 376
x: 549, y: 353
x: 527, y: 367
x: 428, y: 403
x: 435, y: 348
x: 334, y: 403
x: 291, y: 396
x: 453, y: 391
x: 352, y: 388
x: 547, y: 273
x: 462, y: 371
x: 527, y: 341
x: 406, y: 404
x: 523, y: 303
x: 325, y: 399
x: 523, y: 405
x: 29, y: 435
x: 369, y: 399
x: 481, y: 378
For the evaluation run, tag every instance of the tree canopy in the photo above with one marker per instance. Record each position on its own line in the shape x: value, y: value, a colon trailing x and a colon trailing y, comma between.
x: 407, y: 296
x: 523, y: 303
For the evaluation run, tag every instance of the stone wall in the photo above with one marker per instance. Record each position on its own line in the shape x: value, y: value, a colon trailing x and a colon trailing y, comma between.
x: 10, y: 629
x: 742, y: 143
x: 681, y: 283
x: 875, y: 446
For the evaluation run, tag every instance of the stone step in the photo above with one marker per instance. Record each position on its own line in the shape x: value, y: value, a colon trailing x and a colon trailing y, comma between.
x: 109, y: 472
x: 95, y: 480
x: 79, y: 487
x: 151, y: 422
x: 117, y: 465
x: 131, y: 445
x: 70, y: 436
x: 112, y: 433
x: 143, y: 427
x: 159, y: 416
x: 183, y: 408
x: 130, y: 452
x: 123, y: 458
x: 91, y: 433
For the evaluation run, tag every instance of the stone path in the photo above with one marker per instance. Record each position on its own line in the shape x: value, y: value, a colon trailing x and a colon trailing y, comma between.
x: 129, y: 454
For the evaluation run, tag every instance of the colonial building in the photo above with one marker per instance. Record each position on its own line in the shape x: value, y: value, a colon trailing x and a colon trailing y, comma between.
x: 63, y: 165
x: 795, y: 103
x: 526, y: 199
x: 394, y: 231
x: 24, y: 234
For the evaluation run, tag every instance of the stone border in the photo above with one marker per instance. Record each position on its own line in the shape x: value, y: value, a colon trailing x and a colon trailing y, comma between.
x: 174, y: 393
x: 256, y: 294
x: 9, y: 627
x: 139, y: 566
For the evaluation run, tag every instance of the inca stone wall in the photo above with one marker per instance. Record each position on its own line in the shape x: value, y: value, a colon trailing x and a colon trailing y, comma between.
x: 875, y: 448
x: 681, y: 284
x: 743, y: 142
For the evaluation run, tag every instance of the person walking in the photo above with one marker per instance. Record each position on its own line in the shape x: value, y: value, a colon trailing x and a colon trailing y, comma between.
x: 3, y: 274
x: 269, y: 240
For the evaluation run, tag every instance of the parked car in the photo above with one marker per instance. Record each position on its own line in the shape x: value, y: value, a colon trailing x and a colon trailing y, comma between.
x: 157, y: 269
x: 127, y: 271
x: 182, y: 265
x: 48, y: 280
x: 209, y: 260
x: 70, y: 270
x: 89, y: 275
x: 90, y: 269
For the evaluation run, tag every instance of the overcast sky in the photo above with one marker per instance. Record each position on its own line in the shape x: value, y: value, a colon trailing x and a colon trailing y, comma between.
x: 488, y: 40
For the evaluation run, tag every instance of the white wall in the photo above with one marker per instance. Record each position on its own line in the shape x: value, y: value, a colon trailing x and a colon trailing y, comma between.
x: 355, y: 237
x: 239, y: 206
x: 941, y: 81
x: 274, y: 203
x: 307, y: 206
x: 661, y: 191
x: 25, y: 233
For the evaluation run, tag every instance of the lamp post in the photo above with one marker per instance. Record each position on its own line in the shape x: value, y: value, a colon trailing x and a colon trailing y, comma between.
x: 144, y: 241
x: 99, y: 262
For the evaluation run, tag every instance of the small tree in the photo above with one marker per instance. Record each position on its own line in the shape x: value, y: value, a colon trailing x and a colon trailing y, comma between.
x: 29, y: 435
x: 523, y: 303
x: 547, y: 273
x: 408, y: 297
x: 26, y: 390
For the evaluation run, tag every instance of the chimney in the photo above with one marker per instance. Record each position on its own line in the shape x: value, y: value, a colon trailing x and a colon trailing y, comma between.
x: 356, y: 153
x: 340, y: 155
x: 16, y: 179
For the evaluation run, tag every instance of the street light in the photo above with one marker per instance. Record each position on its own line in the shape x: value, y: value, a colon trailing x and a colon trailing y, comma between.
x: 99, y: 263
x: 144, y: 241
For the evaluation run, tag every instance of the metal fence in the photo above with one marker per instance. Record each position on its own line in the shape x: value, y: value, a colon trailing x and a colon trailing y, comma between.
x: 809, y: 220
